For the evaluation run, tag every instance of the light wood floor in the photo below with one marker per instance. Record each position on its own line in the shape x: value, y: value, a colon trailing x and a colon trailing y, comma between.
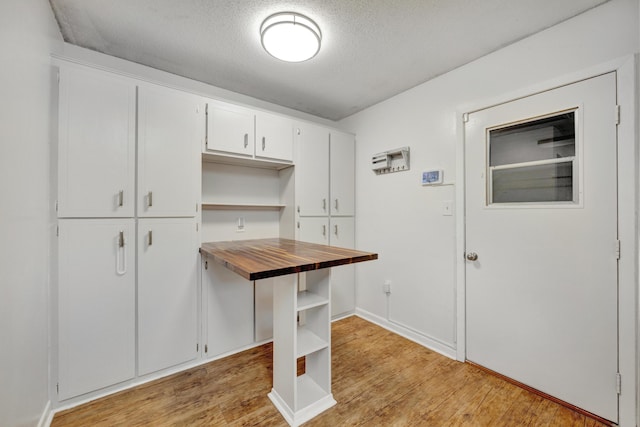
x: 379, y: 379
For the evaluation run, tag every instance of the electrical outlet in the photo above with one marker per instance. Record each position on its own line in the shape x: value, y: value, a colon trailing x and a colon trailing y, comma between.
x: 386, y: 287
x: 240, y: 224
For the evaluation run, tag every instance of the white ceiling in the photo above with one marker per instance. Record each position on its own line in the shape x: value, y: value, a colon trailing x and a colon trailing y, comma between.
x: 371, y: 49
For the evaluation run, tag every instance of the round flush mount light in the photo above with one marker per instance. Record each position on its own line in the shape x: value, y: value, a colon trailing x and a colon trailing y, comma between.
x: 290, y: 36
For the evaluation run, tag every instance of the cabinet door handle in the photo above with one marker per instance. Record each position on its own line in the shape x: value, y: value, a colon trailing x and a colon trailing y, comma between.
x: 246, y: 140
x: 121, y: 255
x: 324, y: 204
x: 150, y: 199
x: 335, y: 229
x: 336, y: 204
x: 150, y: 237
x: 324, y: 230
x: 121, y: 198
x: 264, y: 139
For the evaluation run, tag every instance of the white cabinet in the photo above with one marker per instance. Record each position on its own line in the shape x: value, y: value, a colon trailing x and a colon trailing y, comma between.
x: 342, y: 174
x: 325, y: 200
x: 96, y: 144
x: 96, y: 304
x: 168, y: 262
x: 168, y: 152
x: 230, y: 129
x: 274, y: 137
x: 312, y: 170
x: 229, y: 309
x: 343, y: 292
x: 325, y: 172
x: 103, y: 281
x: 313, y: 230
x: 241, y: 135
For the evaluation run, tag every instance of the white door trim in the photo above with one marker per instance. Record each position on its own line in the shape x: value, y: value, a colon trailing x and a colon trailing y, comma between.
x: 628, y: 188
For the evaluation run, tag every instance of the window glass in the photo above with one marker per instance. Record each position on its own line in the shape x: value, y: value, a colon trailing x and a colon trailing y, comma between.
x: 541, y: 183
x: 533, y: 162
x: 548, y: 138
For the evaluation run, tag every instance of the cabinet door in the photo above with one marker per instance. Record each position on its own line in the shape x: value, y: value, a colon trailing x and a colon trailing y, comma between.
x: 230, y: 129
x: 167, y: 292
x: 343, y: 291
x: 313, y: 230
x: 274, y: 137
x: 168, y: 152
x: 96, y: 148
x: 312, y: 170
x: 342, y: 165
x: 96, y: 304
x: 264, y: 309
x: 229, y: 309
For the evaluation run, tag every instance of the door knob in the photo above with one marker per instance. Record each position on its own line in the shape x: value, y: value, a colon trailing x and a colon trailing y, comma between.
x: 472, y: 256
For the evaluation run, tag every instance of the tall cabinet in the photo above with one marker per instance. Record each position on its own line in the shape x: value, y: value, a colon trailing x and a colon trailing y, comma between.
x: 126, y: 238
x: 325, y: 200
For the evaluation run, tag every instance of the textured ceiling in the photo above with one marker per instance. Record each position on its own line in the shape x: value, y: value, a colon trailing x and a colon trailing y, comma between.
x: 371, y: 49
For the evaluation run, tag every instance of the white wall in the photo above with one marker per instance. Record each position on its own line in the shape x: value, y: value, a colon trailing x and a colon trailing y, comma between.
x: 27, y: 35
x: 402, y: 220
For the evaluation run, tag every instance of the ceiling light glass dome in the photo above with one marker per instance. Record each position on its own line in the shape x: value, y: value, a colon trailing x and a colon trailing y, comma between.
x: 290, y: 36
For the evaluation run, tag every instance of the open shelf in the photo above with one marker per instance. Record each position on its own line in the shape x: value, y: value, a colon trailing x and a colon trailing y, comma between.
x: 240, y: 160
x: 243, y: 206
x: 309, y: 392
x: 307, y: 300
x: 308, y: 342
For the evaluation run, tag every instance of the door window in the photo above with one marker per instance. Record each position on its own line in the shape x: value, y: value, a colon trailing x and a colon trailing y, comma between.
x: 533, y: 161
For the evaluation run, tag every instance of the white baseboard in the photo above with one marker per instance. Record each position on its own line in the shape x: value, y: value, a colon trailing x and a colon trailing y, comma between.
x: 424, y: 341
x: 47, y: 415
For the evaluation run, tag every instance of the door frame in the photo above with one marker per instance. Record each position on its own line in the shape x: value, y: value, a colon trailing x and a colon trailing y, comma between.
x: 628, y: 188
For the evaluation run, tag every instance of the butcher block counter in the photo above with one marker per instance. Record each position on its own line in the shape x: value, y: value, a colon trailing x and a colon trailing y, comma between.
x: 263, y: 258
x: 301, y: 278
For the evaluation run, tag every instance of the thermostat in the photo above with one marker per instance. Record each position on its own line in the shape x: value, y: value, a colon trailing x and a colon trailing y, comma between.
x: 432, y: 177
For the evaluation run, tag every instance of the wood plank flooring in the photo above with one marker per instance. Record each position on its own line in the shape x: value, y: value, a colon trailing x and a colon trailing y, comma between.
x: 379, y: 379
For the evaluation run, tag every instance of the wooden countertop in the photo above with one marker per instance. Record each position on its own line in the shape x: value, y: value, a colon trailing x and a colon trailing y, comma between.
x: 263, y: 258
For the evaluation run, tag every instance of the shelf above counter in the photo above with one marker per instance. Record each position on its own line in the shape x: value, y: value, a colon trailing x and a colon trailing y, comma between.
x: 239, y: 160
x: 241, y: 206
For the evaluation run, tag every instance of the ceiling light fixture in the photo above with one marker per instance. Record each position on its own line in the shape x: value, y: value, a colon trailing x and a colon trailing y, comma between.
x: 290, y: 36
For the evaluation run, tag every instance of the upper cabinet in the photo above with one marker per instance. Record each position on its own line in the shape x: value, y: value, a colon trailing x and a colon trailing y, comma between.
x: 240, y: 135
x: 96, y: 149
x: 342, y: 174
x: 325, y: 177
x: 230, y: 129
x: 274, y: 137
x: 168, y: 152
x: 312, y: 170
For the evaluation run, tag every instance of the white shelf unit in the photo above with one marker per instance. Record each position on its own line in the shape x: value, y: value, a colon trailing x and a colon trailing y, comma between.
x: 300, y: 398
x: 240, y: 201
x: 241, y: 206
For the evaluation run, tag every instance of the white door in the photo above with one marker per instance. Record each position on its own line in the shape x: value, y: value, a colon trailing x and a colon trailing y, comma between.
x: 541, y: 230
x: 229, y: 309
x: 168, y: 152
x: 96, y: 149
x: 343, y: 291
x: 274, y: 137
x: 167, y: 292
x: 313, y: 230
x: 312, y: 170
x: 230, y: 129
x: 342, y: 176
x: 96, y: 304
